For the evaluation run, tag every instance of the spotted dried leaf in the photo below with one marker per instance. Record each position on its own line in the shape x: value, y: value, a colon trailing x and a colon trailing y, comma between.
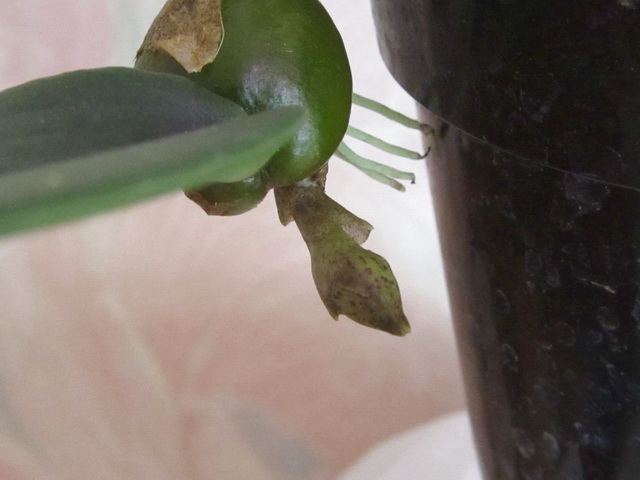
x: 190, y: 31
x: 351, y: 280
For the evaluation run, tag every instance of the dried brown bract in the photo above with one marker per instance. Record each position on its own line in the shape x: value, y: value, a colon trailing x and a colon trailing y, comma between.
x: 190, y: 31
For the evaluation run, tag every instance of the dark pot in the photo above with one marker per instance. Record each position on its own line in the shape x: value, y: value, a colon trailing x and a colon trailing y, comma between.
x: 535, y: 173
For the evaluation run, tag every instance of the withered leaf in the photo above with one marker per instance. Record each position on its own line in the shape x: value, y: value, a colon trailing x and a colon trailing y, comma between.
x: 191, y: 31
x: 351, y: 280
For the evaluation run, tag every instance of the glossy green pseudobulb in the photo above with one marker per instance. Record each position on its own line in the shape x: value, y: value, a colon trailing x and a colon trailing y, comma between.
x: 276, y: 53
x: 286, y: 52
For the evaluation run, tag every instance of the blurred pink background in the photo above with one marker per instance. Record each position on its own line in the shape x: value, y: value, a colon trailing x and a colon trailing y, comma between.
x: 156, y: 342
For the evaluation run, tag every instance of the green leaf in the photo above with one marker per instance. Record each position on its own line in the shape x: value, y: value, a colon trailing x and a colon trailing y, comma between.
x: 78, y: 113
x: 49, y: 187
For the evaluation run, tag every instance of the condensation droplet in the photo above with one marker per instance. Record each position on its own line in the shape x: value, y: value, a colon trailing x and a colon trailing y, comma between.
x: 509, y: 357
x: 502, y: 304
x: 586, y: 196
x: 594, y: 338
x: 535, y: 474
x: 550, y: 446
x: 533, y: 262
x: 564, y: 334
x: 607, y: 319
x: 633, y: 390
x: 524, y: 444
x: 553, y: 278
x: 635, y: 313
x: 594, y: 440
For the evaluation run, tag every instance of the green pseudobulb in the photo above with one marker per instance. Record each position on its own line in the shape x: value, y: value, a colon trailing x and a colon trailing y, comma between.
x: 274, y: 53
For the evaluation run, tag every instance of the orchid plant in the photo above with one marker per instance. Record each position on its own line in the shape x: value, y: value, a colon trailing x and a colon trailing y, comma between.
x: 226, y: 101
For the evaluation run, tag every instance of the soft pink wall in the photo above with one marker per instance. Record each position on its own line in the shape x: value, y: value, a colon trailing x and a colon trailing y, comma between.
x: 39, y: 38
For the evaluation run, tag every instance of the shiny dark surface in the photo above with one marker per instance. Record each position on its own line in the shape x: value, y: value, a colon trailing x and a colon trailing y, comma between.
x: 535, y: 171
x: 555, y: 81
x: 544, y: 283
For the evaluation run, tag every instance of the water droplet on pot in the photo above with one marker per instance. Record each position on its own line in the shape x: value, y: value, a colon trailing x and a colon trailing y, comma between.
x: 607, y: 319
x: 587, y: 196
x: 550, y: 446
x: 524, y: 444
x: 533, y: 262
x: 509, y: 357
x: 553, y: 278
x: 594, y: 338
x: 502, y: 304
x: 564, y: 334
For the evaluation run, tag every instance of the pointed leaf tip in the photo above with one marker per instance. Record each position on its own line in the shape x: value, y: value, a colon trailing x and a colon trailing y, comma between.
x: 360, y: 285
